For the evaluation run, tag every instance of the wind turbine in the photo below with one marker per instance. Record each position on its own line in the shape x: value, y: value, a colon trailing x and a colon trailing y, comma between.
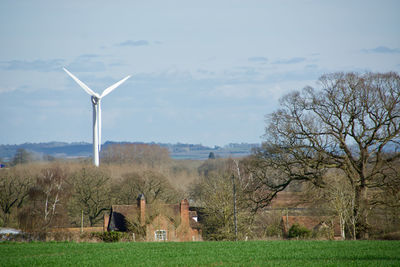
x: 96, y: 103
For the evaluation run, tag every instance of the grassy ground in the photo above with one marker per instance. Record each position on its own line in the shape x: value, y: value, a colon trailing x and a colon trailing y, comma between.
x: 256, y: 253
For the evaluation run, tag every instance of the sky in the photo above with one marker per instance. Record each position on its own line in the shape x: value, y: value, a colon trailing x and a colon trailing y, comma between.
x: 203, y: 72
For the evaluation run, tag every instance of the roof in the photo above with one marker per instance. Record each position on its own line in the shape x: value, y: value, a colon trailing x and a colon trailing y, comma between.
x: 120, y: 214
x: 125, y: 209
x: 288, y: 200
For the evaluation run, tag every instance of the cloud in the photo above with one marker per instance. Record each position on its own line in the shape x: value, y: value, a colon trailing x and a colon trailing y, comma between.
x: 7, y: 89
x: 86, y: 56
x: 135, y: 43
x: 117, y: 64
x: 258, y: 59
x: 36, y: 65
x: 171, y: 75
x: 382, y: 50
x: 248, y: 92
x: 87, y: 62
x: 205, y: 72
x: 242, y: 73
x: 292, y: 60
x: 46, y: 103
x: 311, y: 66
x: 235, y: 91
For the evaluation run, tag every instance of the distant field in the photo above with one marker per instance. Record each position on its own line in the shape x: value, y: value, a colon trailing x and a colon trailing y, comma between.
x: 255, y: 253
x: 84, y: 150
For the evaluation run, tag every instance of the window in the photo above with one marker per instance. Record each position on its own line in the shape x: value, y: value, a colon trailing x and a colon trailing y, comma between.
x: 160, y: 235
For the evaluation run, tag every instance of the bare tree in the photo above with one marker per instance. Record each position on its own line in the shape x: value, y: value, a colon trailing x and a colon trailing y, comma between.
x: 91, y: 193
x: 44, y: 199
x: 386, y: 200
x: 336, y: 196
x: 226, y: 212
x: 22, y: 156
x: 151, y: 155
x: 350, y: 123
x: 14, y: 189
x: 153, y: 185
x: 51, y: 184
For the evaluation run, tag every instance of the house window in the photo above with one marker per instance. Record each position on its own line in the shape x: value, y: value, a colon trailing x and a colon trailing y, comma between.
x: 160, y: 235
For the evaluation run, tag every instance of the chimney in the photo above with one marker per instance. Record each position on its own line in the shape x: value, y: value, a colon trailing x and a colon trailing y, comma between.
x: 142, y: 206
x: 185, y: 212
x: 106, y: 222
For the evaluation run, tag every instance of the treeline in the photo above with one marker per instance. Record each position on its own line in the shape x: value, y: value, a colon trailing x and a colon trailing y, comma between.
x: 42, y: 195
x: 35, y: 196
x: 43, y: 151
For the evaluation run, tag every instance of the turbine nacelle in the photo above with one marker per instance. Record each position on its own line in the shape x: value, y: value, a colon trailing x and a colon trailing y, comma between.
x: 96, y: 101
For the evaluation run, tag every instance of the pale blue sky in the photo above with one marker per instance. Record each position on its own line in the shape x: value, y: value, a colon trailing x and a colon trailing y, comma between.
x: 202, y: 71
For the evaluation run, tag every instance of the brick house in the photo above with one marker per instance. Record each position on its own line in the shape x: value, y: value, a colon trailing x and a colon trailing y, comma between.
x: 156, y: 221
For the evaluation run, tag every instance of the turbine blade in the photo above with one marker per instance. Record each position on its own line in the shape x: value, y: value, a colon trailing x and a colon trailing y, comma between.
x: 84, y: 86
x: 112, y: 87
x: 99, y: 109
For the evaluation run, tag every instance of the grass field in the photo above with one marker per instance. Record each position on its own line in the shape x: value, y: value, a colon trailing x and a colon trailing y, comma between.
x: 255, y: 253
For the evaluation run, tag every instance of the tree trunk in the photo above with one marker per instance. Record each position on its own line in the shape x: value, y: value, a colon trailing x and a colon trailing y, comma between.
x: 342, y: 227
x: 360, y: 214
x: 91, y: 221
x: 6, y: 219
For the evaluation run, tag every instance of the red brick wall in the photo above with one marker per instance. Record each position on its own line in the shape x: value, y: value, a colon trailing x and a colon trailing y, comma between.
x: 77, y: 229
x: 105, y: 222
x: 161, y: 223
x: 185, y: 212
x: 142, y: 204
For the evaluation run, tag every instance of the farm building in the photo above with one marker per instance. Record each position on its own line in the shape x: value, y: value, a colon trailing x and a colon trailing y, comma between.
x: 304, y: 212
x: 156, y: 221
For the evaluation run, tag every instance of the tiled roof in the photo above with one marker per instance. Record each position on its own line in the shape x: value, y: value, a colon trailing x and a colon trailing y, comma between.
x: 121, y: 213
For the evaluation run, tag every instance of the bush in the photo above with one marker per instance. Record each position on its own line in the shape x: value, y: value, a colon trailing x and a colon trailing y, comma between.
x: 391, y: 236
x: 299, y: 231
x: 108, y: 236
x: 273, y: 231
x: 323, y: 233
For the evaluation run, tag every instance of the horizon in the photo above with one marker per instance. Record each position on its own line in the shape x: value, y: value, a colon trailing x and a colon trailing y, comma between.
x: 84, y: 150
x: 131, y: 142
x: 202, y: 73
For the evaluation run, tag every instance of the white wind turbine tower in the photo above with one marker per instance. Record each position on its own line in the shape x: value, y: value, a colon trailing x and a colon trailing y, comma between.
x: 96, y: 102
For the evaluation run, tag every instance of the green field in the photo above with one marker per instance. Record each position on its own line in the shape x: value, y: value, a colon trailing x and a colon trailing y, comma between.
x: 255, y: 253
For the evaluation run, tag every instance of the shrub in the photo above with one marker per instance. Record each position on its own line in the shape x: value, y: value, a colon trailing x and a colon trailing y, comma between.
x: 273, y: 231
x: 138, y: 230
x: 391, y: 236
x: 299, y: 231
x: 108, y: 236
x: 323, y: 233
